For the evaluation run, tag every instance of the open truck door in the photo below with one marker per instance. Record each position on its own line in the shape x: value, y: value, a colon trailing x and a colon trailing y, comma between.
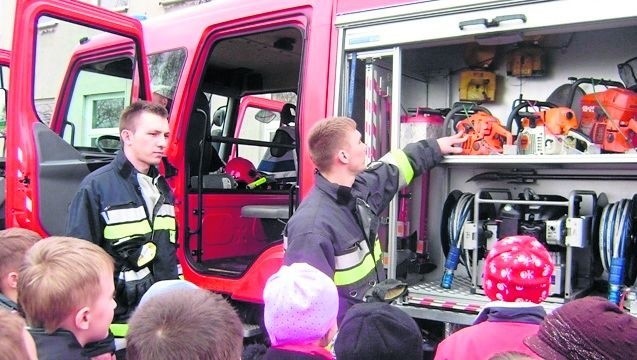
x: 4, y: 86
x: 56, y: 124
x: 242, y: 72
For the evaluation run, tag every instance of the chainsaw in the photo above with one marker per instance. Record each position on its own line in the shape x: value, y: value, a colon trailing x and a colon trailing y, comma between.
x: 485, y: 134
x: 543, y: 132
x: 613, y: 116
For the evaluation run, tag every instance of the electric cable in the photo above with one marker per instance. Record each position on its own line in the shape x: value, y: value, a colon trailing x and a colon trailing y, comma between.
x: 466, y: 214
x: 459, y: 215
x: 614, y: 235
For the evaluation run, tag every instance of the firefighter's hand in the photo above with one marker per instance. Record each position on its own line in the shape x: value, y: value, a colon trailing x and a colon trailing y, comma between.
x: 448, y: 144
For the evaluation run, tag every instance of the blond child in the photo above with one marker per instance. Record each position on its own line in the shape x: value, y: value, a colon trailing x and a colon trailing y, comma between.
x: 15, y: 342
x: 66, y: 292
x: 14, y: 243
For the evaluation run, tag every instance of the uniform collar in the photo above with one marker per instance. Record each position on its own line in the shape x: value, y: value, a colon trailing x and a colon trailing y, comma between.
x: 342, y: 195
x: 126, y: 168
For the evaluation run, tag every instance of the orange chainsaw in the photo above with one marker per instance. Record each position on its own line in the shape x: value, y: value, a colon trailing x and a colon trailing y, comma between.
x: 485, y: 134
x: 613, y: 116
x: 541, y: 126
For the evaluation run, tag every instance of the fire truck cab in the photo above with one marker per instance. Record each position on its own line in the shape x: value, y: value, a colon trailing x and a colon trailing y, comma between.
x: 236, y: 72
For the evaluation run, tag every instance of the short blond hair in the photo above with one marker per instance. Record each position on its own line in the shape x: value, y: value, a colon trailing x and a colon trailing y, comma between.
x: 14, y: 243
x: 60, y: 275
x: 326, y: 137
x: 12, y: 327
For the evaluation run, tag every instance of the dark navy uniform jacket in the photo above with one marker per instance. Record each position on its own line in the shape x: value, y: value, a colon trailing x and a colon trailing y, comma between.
x: 326, y: 232
x: 110, y: 211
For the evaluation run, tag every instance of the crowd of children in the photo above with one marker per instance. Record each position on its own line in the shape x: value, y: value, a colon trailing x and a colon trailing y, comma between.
x: 64, y: 289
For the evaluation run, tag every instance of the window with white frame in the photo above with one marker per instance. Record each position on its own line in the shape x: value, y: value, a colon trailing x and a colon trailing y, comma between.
x: 100, y: 93
x: 104, y: 111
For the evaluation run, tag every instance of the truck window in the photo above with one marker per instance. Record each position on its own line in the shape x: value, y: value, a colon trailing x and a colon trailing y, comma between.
x: 84, y: 104
x: 99, y: 96
x: 165, y: 68
x: 83, y: 78
x: 261, y: 124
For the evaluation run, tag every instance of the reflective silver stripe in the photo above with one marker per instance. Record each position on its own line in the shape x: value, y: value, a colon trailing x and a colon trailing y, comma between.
x: 166, y: 210
x: 133, y: 275
x: 123, y: 240
x: 119, y: 216
x: 353, y: 258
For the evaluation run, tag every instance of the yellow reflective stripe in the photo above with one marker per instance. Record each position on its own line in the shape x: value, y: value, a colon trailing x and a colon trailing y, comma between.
x: 378, y: 252
x: 399, y: 159
x: 404, y: 167
x: 118, y: 231
x: 360, y: 271
x: 164, y: 223
x: 119, y: 330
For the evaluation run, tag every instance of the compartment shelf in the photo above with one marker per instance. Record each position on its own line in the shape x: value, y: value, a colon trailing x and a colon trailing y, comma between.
x: 590, y: 161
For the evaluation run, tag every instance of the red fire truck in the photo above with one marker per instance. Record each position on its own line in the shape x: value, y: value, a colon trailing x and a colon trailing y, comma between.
x: 5, y: 55
x: 235, y: 72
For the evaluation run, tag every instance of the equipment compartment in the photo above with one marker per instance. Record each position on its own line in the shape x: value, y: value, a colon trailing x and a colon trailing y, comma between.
x: 417, y: 56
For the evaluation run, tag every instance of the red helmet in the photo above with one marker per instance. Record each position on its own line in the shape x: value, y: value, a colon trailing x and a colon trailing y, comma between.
x: 242, y: 170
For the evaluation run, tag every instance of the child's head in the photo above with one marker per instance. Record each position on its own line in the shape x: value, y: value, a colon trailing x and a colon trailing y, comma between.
x: 14, y: 243
x: 587, y: 328
x: 15, y: 342
x: 518, y: 268
x: 67, y: 283
x: 179, y: 322
x: 301, y: 304
x: 378, y: 331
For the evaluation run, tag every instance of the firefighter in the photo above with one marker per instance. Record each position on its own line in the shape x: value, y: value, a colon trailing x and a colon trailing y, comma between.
x: 335, y: 227
x: 127, y: 208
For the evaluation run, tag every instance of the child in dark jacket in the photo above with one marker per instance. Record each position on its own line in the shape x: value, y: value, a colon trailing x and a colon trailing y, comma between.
x: 301, y: 304
x: 66, y: 291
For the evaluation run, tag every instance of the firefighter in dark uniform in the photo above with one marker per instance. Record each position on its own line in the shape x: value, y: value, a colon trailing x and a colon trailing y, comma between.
x: 127, y: 208
x: 334, y: 228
